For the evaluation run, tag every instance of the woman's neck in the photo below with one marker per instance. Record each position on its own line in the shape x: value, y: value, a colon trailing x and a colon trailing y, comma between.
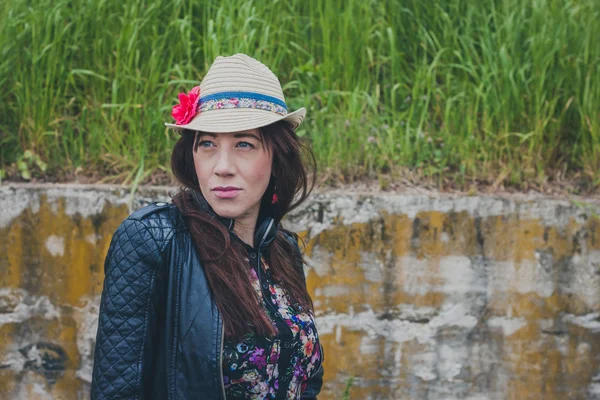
x: 244, y: 227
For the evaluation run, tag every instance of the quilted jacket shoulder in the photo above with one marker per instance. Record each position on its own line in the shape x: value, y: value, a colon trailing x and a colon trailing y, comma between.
x: 161, y: 220
x: 159, y: 214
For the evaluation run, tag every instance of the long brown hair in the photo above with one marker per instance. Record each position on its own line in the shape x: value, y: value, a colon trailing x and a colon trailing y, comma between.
x: 223, y: 259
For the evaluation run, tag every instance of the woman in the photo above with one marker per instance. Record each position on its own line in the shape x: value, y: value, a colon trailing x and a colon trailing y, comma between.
x: 205, y: 298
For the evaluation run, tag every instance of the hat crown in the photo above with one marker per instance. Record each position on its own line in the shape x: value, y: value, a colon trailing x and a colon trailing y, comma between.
x: 237, y: 93
x: 240, y: 73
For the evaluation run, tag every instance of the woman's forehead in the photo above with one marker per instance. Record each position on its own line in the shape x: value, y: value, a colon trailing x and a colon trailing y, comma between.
x: 245, y: 133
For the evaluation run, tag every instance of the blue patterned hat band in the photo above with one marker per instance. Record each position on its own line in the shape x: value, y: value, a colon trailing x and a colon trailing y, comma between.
x: 222, y: 100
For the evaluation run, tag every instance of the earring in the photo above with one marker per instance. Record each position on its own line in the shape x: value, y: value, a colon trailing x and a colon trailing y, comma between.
x: 274, y: 198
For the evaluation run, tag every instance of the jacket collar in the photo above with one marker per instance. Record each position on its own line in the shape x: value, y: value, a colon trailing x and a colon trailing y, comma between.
x: 264, y: 232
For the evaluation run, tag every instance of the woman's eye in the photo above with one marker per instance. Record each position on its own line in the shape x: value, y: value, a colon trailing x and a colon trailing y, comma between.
x: 205, y: 143
x: 245, y: 145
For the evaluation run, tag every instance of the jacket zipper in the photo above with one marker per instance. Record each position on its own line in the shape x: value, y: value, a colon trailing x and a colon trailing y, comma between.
x: 220, y: 363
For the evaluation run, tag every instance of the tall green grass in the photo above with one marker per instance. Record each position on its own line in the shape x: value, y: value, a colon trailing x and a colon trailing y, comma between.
x: 460, y: 89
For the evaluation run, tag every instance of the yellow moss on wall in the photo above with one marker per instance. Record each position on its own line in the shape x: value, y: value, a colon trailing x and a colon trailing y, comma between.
x: 57, y: 260
x: 539, y: 359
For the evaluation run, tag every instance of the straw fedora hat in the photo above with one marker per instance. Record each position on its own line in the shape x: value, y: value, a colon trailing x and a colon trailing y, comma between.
x: 238, y: 93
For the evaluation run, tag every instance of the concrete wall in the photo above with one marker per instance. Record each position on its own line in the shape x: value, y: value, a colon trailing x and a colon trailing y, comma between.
x: 417, y: 296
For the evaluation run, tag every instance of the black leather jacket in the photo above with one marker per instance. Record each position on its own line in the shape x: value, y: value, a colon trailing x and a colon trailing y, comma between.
x: 160, y: 335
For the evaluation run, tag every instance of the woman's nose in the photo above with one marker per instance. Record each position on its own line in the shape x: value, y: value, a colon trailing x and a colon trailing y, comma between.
x: 225, y: 165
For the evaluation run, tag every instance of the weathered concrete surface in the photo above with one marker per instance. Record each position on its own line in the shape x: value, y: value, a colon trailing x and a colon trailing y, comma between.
x: 417, y: 296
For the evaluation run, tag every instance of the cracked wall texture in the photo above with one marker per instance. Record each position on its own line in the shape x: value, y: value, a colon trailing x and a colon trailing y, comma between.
x: 417, y: 296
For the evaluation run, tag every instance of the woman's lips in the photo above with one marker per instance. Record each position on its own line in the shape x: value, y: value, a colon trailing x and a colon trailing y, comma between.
x: 226, y: 193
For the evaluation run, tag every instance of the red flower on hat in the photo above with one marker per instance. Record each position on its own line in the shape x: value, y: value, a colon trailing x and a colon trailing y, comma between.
x: 185, y: 111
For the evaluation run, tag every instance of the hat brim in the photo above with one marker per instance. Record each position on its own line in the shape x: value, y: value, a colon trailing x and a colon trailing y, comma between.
x: 237, y: 119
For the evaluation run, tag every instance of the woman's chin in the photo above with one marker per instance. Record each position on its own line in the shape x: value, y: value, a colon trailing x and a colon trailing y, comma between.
x: 231, y: 211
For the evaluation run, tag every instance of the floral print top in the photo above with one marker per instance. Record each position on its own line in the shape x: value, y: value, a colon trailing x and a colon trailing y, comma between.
x: 272, y: 368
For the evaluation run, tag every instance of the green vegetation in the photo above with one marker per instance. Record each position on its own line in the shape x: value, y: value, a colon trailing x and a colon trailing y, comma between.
x: 349, y: 383
x: 486, y: 90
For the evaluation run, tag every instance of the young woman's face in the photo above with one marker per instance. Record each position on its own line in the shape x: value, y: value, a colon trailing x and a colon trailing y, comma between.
x: 233, y: 170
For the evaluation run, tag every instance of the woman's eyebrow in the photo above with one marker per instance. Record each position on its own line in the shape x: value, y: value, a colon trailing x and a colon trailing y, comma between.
x: 241, y: 135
